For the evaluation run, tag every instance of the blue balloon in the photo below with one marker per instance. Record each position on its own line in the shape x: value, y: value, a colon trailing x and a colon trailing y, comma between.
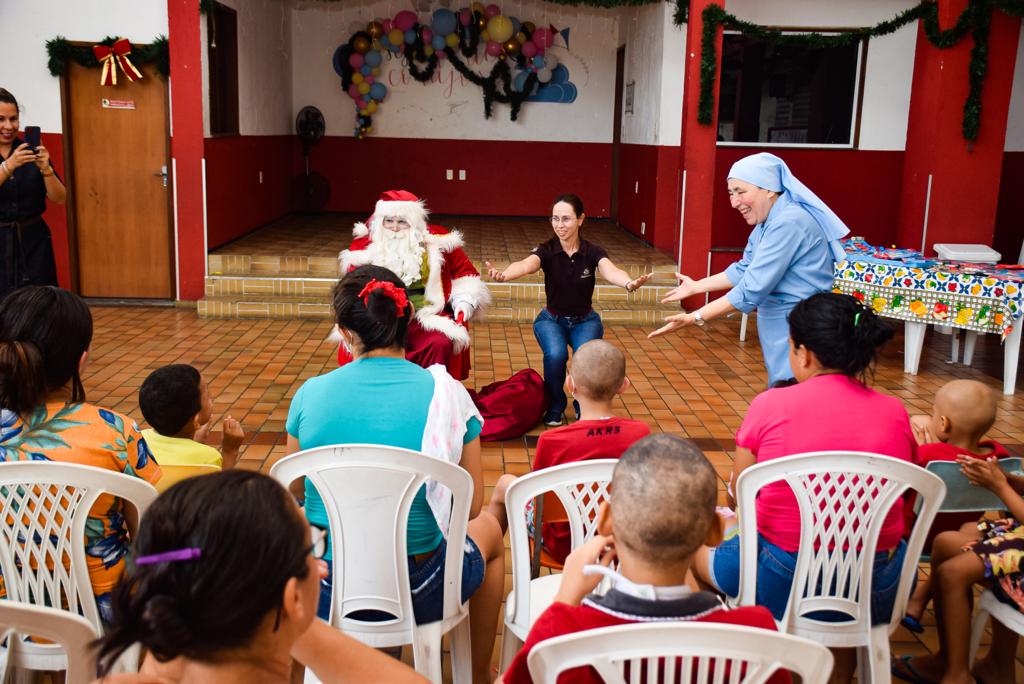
x: 538, y: 62
x: 437, y: 42
x: 443, y: 22
x: 372, y: 58
x: 364, y: 70
x: 378, y: 91
x: 410, y: 37
x: 385, y: 43
x: 516, y: 25
x: 340, y: 59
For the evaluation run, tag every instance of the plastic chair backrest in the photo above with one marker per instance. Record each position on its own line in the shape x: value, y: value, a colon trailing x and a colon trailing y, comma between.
x: 844, y: 498
x: 368, y: 492
x: 44, y: 508
x: 72, y: 632
x: 173, y: 474
x: 961, y: 495
x: 684, y: 652
x: 580, y: 488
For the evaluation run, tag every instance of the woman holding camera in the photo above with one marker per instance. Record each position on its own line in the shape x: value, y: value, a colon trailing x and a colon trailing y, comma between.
x: 27, y: 180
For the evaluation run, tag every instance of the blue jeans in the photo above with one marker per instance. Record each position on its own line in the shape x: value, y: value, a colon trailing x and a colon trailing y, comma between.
x: 554, y: 335
x: 775, y: 568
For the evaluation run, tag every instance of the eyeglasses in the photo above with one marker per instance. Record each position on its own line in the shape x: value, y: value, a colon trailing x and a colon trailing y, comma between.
x: 564, y: 220
x: 318, y: 548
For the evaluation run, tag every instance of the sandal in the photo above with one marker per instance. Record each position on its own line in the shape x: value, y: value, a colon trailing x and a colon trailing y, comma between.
x: 902, y: 669
x: 913, y: 624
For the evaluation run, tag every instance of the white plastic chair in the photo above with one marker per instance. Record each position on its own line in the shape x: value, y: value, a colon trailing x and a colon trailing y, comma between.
x: 44, y: 507
x: 368, y: 491
x: 990, y: 606
x: 679, y: 651
x: 844, y: 498
x: 581, y: 487
x: 73, y: 634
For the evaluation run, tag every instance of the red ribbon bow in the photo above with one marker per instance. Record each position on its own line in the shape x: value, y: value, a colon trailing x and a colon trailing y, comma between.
x: 115, y: 56
x: 394, y: 293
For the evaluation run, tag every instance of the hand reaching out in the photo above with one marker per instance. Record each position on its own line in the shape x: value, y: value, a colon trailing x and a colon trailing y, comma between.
x: 493, y: 273
x: 673, y: 323
x: 636, y: 284
x: 687, y: 287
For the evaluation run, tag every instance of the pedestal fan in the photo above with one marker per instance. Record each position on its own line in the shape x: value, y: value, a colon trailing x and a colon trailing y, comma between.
x: 310, y: 190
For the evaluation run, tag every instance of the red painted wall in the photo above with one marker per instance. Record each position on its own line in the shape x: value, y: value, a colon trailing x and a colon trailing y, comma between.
x: 1009, y: 223
x: 502, y: 178
x: 236, y: 202
x: 649, y: 192
x: 56, y: 215
x: 843, y: 179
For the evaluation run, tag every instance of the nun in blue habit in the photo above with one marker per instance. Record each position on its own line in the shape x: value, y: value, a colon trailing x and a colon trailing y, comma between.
x: 790, y: 255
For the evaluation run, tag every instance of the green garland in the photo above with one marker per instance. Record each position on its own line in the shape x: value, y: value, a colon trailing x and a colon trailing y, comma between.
x: 61, y: 52
x: 975, y: 19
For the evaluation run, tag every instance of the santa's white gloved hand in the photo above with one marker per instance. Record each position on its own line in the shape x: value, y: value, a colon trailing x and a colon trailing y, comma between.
x: 465, y: 309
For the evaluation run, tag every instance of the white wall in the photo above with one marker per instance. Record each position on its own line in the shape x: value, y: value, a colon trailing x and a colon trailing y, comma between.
x: 448, y: 107
x: 890, y: 59
x: 264, y: 68
x: 655, y: 50
x: 1015, y: 122
x: 26, y: 25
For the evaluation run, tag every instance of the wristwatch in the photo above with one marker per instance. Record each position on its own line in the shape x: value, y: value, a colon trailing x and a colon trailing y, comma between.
x: 697, y: 318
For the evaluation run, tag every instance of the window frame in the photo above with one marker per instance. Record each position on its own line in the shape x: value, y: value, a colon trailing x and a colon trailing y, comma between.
x: 858, y: 96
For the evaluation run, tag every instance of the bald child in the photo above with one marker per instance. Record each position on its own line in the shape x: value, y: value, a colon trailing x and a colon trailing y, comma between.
x: 650, y: 533
x: 597, y: 377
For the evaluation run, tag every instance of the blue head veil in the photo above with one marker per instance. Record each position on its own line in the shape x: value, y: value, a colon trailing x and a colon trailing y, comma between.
x: 771, y: 173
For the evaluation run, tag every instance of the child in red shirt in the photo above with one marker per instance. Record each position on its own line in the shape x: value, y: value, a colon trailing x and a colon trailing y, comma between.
x: 964, y: 410
x: 653, y: 539
x: 597, y: 376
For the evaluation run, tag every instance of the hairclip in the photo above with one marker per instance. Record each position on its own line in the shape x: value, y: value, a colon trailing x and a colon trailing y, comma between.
x: 169, y: 556
x: 394, y: 293
x: 856, y: 319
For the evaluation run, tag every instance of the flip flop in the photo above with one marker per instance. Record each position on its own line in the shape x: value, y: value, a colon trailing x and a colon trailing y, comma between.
x: 902, y: 669
x: 913, y: 624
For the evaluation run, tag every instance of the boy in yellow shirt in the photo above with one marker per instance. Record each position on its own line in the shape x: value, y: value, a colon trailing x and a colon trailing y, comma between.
x: 175, y: 401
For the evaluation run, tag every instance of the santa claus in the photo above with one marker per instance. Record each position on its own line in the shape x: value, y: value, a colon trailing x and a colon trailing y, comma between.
x: 442, y: 283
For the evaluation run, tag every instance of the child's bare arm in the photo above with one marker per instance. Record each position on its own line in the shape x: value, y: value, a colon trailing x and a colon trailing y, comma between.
x: 575, y: 585
x: 231, y: 441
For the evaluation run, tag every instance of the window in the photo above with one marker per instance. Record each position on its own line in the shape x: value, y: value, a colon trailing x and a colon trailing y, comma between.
x: 777, y: 94
x: 222, y: 52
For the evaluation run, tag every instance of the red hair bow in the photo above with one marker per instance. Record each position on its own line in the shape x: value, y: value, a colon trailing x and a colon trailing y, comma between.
x: 394, y: 293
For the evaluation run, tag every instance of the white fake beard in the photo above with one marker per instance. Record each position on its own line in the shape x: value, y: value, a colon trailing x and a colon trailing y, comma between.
x: 401, y: 253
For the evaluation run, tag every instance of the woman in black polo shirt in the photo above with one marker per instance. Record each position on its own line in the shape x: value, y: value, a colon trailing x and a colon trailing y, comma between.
x: 26, y: 180
x: 570, y: 264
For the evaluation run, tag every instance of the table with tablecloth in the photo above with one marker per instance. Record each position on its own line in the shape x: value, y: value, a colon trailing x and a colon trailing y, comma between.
x: 902, y: 285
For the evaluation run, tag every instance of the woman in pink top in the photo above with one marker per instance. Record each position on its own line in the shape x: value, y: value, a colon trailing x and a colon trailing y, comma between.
x: 833, y: 343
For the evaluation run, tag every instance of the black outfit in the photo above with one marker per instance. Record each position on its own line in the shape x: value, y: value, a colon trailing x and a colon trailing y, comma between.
x: 569, y: 280
x: 26, y: 248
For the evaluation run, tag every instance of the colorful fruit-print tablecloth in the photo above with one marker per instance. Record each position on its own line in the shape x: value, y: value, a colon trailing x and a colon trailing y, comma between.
x: 940, y: 293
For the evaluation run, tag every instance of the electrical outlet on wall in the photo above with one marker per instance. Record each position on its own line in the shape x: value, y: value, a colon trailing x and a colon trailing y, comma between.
x: 636, y: 187
x: 261, y: 178
x: 462, y: 174
x: 643, y: 227
x: 449, y: 174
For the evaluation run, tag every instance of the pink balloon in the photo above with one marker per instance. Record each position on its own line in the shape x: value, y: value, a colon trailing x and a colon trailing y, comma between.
x: 355, y: 60
x: 465, y: 16
x: 388, y: 25
x: 428, y: 35
x: 405, y: 20
x: 543, y: 38
x: 353, y: 92
x: 361, y: 102
x: 368, y: 79
x: 493, y: 49
x: 529, y: 49
x: 441, y: 54
x: 492, y: 11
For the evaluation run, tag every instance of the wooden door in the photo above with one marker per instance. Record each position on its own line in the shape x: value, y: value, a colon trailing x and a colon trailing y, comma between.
x: 119, y: 178
x: 620, y: 70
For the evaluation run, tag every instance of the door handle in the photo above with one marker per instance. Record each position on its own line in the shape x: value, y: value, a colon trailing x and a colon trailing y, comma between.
x: 163, y: 174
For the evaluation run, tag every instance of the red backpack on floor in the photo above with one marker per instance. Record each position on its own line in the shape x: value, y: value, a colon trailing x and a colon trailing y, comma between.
x: 511, y: 407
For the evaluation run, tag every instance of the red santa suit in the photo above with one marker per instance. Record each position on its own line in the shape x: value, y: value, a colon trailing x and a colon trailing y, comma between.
x: 441, y: 279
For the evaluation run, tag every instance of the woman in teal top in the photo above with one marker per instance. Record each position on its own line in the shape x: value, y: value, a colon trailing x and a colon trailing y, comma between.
x: 381, y: 398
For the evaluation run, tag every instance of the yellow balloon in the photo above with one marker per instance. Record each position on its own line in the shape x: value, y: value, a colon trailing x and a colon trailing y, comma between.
x: 452, y: 40
x: 363, y: 88
x: 521, y: 37
x: 375, y: 71
x: 396, y: 37
x: 428, y: 50
x: 484, y: 36
x: 357, y: 78
x: 479, y: 7
x: 364, y: 112
x: 500, y: 28
x: 371, y: 106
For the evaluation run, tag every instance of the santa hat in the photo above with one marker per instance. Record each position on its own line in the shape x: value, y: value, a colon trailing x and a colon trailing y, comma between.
x: 395, y: 203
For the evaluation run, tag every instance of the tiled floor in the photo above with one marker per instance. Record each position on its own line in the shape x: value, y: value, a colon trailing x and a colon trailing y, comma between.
x: 697, y: 384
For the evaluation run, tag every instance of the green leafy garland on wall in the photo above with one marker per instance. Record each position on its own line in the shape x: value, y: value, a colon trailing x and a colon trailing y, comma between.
x: 976, y: 19
x: 61, y: 52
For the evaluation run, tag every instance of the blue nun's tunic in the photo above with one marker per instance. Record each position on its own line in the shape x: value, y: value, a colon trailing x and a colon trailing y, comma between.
x: 787, y: 259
